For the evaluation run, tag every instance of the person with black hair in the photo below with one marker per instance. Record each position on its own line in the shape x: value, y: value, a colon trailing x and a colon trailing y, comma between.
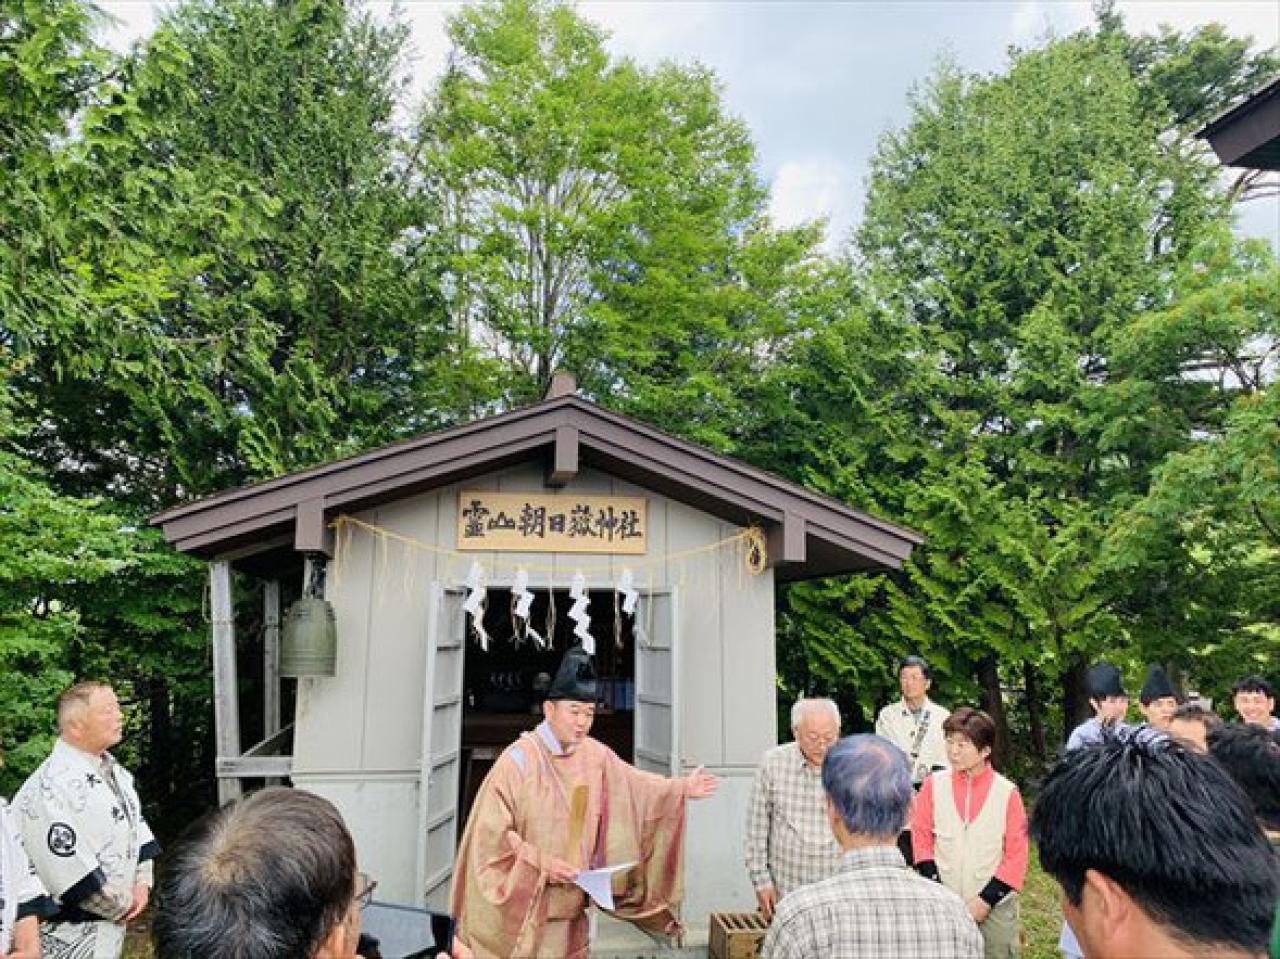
x: 1158, y: 699
x: 1157, y: 852
x: 1109, y: 701
x: 1251, y: 755
x: 1192, y: 723
x: 1255, y: 701
x: 272, y: 876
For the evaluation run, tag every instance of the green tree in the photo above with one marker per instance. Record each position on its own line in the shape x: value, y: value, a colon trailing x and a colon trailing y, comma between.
x: 604, y: 217
x: 260, y: 290
x: 1016, y: 231
x: 226, y: 274
x: 52, y: 547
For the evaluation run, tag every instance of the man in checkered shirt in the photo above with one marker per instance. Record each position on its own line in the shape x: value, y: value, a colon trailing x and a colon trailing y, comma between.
x: 876, y: 906
x: 788, y: 842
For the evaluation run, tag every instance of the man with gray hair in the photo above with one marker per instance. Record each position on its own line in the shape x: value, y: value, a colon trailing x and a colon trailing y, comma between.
x: 876, y: 906
x: 788, y: 842
x: 270, y: 877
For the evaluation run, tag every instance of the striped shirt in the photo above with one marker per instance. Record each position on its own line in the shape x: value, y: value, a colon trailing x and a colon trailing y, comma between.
x: 789, y: 842
x: 875, y: 907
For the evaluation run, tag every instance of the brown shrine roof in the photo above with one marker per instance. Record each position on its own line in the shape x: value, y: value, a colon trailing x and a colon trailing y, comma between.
x: 1248, y: 134
x: 810, y: 535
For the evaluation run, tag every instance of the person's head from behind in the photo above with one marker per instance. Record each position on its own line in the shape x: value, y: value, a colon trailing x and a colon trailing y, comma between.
x: 1157, y: 852
x: 1192, y: 724
x: 1254, y: 700
x: 815, y: 723
x: 1251, y: 755
x: 867, y: 780
x: 270, y: 877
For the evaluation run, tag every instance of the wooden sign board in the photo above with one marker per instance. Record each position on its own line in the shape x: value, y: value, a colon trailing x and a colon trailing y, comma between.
x: 547, y: 523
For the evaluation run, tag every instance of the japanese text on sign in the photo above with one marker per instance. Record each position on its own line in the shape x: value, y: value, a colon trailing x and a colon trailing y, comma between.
x: 543, y: 523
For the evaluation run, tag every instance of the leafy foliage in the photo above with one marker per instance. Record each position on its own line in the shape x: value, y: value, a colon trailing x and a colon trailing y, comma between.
x: 228, y: 254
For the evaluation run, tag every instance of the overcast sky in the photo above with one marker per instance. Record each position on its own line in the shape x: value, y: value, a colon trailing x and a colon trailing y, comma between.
x: 818, y: 82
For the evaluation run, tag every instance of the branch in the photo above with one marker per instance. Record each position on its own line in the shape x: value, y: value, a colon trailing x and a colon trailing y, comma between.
x: 1264, y: 522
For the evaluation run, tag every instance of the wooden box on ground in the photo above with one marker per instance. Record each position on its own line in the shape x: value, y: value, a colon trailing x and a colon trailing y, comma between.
x: 737, y: 935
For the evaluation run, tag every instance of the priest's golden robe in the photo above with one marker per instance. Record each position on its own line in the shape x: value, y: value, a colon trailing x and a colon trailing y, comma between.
x: 524, y: 815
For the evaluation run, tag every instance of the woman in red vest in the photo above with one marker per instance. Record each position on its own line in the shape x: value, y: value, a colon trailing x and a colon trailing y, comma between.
x: 969, y: 832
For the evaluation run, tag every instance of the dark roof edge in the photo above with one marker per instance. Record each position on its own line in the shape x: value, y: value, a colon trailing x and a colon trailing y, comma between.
x: 1266, y: 91
x: 582, y: 414
x: 355, y: 459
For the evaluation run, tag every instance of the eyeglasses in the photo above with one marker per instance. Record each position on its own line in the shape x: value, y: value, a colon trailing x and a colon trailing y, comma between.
x: 818, y: 739
x: 364, y: 889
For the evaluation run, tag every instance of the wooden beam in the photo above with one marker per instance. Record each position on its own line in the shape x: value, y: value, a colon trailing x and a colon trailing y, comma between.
x: 272, y: 745
x: 271, y: 657
x: 562, y: 384
x: 786, y: 540
x: 232, y: 770
x: 226, y: 694
x: 310, y: 534
x: 564, y: 457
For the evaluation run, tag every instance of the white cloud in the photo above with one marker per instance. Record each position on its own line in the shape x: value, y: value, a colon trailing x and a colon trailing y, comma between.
x: 134, y: 19
x: 1259, y: 18
x: 1033, y: 20
x: 808, y: 189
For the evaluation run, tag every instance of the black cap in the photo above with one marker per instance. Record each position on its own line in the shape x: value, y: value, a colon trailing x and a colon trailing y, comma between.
x: 1157, y: 686
x: 576, y: 678
x: 1103, y: 681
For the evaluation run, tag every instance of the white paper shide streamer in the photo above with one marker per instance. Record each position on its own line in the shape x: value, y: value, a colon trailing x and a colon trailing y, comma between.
x: 523, y: 606
x: 578, y: 613
x: 630, y: 596
x: 631, y: 606
x: 474, y: 603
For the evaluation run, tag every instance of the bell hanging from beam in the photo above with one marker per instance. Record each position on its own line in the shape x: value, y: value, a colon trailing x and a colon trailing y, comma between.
x: 309, y: 642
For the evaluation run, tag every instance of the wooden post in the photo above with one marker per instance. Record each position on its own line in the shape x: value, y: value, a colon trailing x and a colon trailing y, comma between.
x: 271, y: 662
x: 271, y: 658
x: 226, y: 698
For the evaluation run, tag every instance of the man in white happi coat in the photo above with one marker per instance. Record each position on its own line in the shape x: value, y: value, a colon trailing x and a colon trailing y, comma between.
x: 82, y: 825
x: 23, y: 899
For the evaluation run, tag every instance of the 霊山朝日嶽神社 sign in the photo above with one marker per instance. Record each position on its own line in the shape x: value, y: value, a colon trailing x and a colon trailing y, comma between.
x: 545, y: 523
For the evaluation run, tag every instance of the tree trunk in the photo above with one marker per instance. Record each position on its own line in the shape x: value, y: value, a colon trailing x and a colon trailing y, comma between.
x: 993, y: 705
x: 161, y: 759
x: 1075, y: 696
x: 1035, y: 710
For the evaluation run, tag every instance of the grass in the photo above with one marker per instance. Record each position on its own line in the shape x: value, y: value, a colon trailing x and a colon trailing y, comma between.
x: 1041, y: 914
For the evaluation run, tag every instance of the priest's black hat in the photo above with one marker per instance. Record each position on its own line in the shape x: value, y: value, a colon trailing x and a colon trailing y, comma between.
x: 1157, y: 686
x: 1104, y: 680
x: 576, y: 678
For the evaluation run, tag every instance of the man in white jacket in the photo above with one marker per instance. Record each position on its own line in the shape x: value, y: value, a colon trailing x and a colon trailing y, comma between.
x: 82, y: 825
x: 914, y: 723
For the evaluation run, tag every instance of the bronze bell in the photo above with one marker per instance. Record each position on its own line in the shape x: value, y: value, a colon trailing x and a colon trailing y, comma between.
x: 309, y: 646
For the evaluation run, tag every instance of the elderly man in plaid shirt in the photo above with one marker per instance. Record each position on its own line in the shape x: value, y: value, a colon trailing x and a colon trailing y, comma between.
x: 876, y: 906
x: 788, y: 842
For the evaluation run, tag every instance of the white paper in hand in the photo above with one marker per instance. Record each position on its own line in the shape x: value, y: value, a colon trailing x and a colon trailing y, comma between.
x: 598, y: 884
